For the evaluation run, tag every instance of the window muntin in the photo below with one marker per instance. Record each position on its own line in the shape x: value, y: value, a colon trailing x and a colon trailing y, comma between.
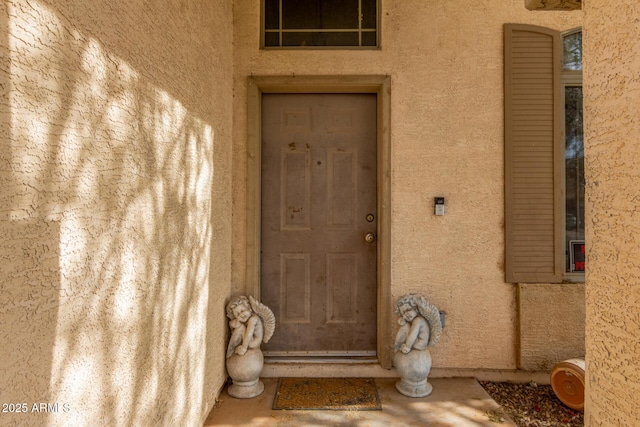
x: 320, y: 23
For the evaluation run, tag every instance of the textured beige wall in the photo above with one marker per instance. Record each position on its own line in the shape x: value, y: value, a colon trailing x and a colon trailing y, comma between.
x: 445, y: 59
x: 612, y: 153
x: 115, y: 209
x: 551, y: 324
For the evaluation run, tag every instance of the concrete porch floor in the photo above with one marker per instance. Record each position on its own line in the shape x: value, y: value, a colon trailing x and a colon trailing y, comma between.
x: 459, y: 402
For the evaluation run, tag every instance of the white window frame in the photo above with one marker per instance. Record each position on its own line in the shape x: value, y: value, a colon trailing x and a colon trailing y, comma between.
x: 568, y: 78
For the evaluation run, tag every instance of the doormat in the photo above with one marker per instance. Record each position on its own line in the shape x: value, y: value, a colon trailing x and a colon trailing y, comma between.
x: 337, y: 394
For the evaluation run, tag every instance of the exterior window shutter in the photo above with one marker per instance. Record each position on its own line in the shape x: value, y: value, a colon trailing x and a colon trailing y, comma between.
x: 533, y: 155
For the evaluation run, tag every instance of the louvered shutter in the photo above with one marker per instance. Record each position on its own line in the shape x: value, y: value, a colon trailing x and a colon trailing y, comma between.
x: 533, y: 155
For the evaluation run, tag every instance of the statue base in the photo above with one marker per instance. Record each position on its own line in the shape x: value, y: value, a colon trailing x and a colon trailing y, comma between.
x: 414, y: 388
x: 413, y: 368
x: 246, y: 390
x: 245, y: 372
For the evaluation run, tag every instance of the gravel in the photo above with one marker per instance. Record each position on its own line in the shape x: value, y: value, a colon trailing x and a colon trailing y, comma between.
x: 531, y: 405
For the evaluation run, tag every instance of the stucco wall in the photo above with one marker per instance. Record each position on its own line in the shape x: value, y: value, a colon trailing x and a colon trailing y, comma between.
x: 551, y: 324
x: 612, y: 108
x: 445, y: 60
x: 115, y: 209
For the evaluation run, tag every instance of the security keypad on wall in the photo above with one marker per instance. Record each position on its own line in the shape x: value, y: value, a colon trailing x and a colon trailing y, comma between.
x: 439, y: 205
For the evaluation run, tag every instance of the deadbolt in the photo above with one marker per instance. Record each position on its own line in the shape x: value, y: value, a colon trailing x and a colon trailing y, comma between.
x: 370, y: 218
x: 370, y: 237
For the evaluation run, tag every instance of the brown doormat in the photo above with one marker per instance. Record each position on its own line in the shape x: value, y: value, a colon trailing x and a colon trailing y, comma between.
x: 338, y: 394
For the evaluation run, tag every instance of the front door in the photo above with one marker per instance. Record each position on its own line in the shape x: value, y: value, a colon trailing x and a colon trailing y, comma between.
x: 318, y: 261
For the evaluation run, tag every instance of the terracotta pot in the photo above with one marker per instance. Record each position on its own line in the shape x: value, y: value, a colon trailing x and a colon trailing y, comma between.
x: 567, y: 381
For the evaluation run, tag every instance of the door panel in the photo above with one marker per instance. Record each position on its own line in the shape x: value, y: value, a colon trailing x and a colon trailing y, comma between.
x: 318, y: 273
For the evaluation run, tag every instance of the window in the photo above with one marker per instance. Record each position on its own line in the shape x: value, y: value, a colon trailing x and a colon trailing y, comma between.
x: 544, y: 155
x: 574, y: 152
x: 320, y: 23
x: 572, y: 50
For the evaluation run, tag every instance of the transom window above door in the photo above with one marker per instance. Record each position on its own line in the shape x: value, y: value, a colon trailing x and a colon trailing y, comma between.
x: 320, y: 24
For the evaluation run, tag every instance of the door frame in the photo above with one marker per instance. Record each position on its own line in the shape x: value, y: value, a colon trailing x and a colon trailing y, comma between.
x: 381, y: 86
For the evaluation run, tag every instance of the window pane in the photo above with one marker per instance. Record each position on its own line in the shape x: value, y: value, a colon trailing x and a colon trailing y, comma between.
x: 320, y: 39
x: 369, y: 18
x: 342, y: 39
x: 572, y: 51
x: 369, y: 39
x: 319, y: 14
x: 574, y: 167
x: 338, y: 14
x: 271, y: 14
x: 300, y: 14
x: 271, y: 39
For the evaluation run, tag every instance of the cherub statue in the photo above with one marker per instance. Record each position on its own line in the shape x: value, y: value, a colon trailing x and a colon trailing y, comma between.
x: 252, y: 323
x: 249, y: 320
x: 420, y: 327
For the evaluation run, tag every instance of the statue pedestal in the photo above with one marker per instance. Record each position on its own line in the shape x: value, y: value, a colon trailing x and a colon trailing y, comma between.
x: 245, y: 372
x: 413, y: 368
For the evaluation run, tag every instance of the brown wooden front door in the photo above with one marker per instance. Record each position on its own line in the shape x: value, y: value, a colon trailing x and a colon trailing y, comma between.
x: 318, y: 263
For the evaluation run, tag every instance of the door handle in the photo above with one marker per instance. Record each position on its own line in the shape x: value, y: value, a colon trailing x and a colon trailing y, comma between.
x: 369, y: 237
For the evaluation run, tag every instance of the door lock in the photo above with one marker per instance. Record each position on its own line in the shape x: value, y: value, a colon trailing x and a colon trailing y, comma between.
x: 370, y: 237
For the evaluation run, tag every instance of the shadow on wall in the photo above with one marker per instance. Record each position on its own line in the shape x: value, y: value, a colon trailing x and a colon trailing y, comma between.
x: 106, y: 177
